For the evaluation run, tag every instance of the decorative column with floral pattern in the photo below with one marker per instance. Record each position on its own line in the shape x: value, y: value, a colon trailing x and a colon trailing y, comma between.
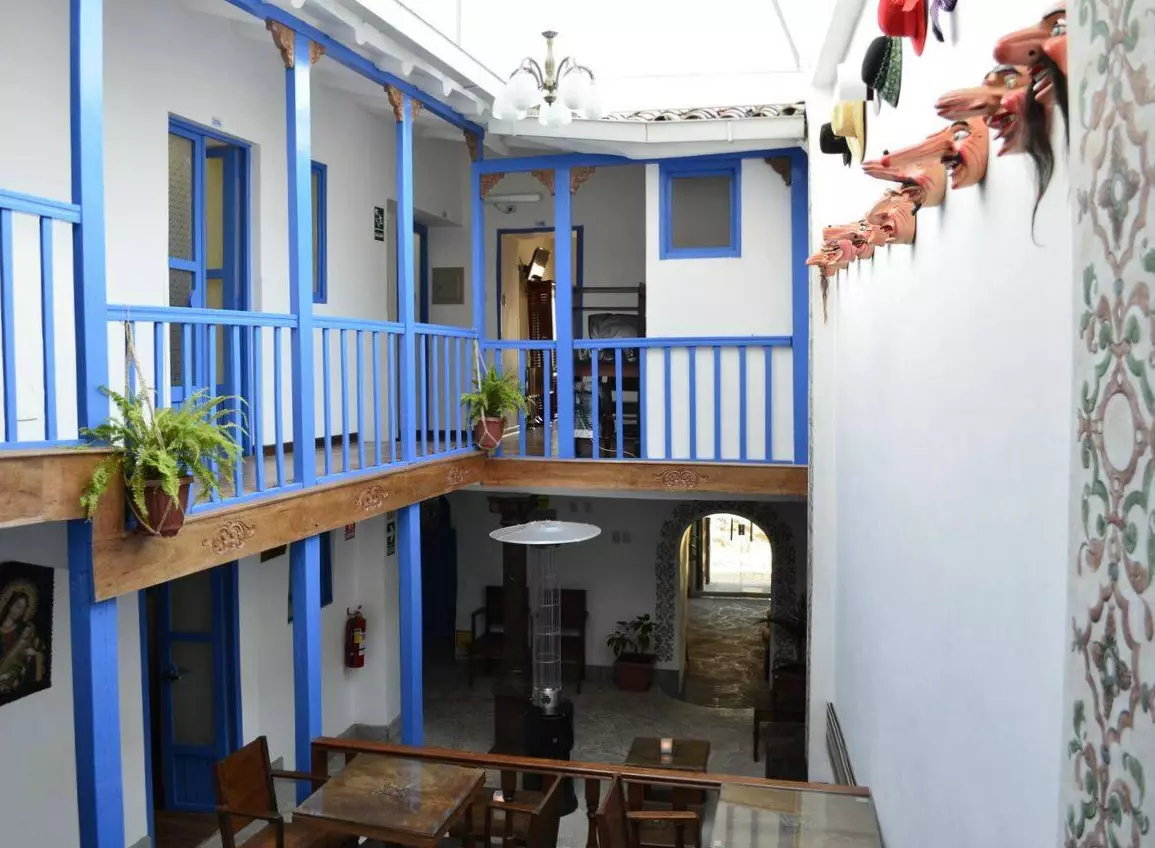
x: 1110, y: 680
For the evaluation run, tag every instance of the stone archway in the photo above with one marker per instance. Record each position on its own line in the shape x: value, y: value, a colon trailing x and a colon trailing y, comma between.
x: 783, y: 579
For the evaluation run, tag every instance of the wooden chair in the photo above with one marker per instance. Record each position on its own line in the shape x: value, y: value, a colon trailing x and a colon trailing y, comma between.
x: 244, y: 789
x: 489, y: 644
x: 574, y: 618
x: 620, y: 827
x: 526, y: 818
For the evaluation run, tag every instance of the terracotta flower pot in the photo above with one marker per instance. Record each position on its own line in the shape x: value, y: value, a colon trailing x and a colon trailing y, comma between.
x: 164, y: 515
x: 487, y: 432
x: 634, y: 672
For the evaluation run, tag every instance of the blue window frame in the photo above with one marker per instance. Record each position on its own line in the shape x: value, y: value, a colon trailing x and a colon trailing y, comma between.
x: 320, y: 232
x: 326, y: 573
x: 700, y: 212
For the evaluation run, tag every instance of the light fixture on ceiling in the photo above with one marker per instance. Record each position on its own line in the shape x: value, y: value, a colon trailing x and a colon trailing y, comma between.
x: 506, y: 204
x: 557, y: 89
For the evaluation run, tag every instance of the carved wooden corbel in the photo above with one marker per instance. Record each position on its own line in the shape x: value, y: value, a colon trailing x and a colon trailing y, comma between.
x: 781, y: 164
x: 545, y: 178
x: 579, y: 175
x: 472, y: 145
x: 395, y: 100
x: 415, y: 107
x: 283, y: 38
x: 488, y: 181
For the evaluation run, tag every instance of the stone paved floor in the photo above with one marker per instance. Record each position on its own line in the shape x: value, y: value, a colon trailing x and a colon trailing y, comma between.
x: 725, y: 651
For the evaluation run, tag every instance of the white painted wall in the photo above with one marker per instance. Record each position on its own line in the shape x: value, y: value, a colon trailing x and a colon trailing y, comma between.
x: 362, y: 576
x: 38, y: 804
x: 940, y: 465
x: 748, y: 295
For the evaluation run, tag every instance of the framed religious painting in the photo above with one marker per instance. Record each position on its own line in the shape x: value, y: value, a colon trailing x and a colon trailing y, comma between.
x: 25, y: 630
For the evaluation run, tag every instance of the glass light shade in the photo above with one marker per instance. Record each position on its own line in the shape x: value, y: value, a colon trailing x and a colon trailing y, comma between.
x: 573, y: 90
x: 554, y: 115
x: 522, y: 92
x: 594, y: 109
x: 502, y: 110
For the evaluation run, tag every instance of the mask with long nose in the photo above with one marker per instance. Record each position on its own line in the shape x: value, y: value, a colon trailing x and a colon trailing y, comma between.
x: 984, y: 100
x: 925, y: 176
x: 855, y: 234
x: 962, y: 146
x: 1041, y: 47
x: 1007, y: 123
x: 894, y: 215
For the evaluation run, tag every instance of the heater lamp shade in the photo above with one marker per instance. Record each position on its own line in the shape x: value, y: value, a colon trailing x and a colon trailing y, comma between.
x: 546, y: 533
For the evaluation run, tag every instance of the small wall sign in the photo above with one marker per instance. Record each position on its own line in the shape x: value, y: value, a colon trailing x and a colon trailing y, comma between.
x: 350, y: 531
x: 379, y: 223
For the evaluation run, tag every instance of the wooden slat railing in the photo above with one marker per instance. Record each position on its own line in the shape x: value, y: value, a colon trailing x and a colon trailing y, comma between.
x: 592, y: 773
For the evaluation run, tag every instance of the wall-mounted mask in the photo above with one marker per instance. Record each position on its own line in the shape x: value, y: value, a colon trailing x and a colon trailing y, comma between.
x: 962, y: 146
x: 927, y: 174
x: 983, y: 100
x: 1041, y: 47
x: 894, y: 215
x: 1007, y: 122
x: 853, y: 233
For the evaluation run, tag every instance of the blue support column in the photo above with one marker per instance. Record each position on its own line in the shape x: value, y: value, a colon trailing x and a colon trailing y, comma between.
x: 477, y: 247
x: 95, y: 695
x: 563, y: 309
x: 800, y: 300
x: 405, y: 315
x: 409, y: 571
x: 304, y: 556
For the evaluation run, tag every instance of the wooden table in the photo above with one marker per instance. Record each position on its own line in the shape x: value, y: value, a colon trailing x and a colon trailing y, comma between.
x: 393, y: 799
x: 688, y: 755
x: 761, y: 817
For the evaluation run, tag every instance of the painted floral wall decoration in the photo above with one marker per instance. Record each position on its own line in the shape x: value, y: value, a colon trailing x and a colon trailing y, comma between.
x: 1108, y: 799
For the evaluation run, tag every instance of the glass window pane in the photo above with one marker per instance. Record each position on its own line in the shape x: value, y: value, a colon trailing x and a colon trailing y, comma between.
x: 180, y: 197
x: 191, y: 603
x: 317, y: 211
x: 700, y: 209
x: 215, y: 212
x: 193, y: 717
x: 179, y: 291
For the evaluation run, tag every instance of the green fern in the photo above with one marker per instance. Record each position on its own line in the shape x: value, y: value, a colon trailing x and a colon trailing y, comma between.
x: 494, y: 395
x: 164, y: 445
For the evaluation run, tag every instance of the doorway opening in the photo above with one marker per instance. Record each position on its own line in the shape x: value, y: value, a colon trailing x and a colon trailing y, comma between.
x: 190, y: 644
x: 729, y: 555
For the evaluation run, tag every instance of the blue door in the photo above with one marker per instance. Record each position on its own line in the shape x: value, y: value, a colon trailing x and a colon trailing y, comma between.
x: 198, y: 659
x: 208, y: 254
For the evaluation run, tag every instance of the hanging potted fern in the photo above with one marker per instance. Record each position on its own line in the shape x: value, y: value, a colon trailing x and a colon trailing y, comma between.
x: 494, y: 394
x: 162, y: 453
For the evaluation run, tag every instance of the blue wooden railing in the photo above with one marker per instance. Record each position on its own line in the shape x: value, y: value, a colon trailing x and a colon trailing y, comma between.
x: 534, y: 362
x: 20, y: 364
x: 445, y: 362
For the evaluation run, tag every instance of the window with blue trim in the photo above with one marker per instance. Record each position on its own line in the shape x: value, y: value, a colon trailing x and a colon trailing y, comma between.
x: 320, y: 232
x: 700, y: 210
x: 326, y: 574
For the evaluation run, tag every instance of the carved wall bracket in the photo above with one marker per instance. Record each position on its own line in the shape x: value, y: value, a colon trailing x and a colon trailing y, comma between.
x: 283, y: 38
x: 472, y: 145
x: 545, y: 178
x: 397, y: 97
x: 781, y: 164
x: 681, y: 479
x: 488, y: 181
x: 579, y: 175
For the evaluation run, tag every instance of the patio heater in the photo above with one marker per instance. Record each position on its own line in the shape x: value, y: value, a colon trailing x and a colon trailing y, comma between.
x: 549, y: 716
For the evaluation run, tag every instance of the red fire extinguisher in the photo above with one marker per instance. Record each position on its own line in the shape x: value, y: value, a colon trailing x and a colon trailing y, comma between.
x: 354, y: 639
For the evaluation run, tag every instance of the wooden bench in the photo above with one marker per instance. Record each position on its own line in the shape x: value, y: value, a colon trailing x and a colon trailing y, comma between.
x: 244, y: 789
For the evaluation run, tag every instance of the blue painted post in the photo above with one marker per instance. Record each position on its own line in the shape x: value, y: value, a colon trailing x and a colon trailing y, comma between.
x: 376, y: 398
x: 343, y: 339
x: 357, y: 337
x: 742, y: 403
x: 304, y: 556
x: 800, y: 301
x: 595, y: 416
x: 693, y: 366
x: 47, y: 313
x: 477, y: 248
x: 669, y: 415
x: 326, y: 400
x: 408, y: 352
x: 547, y: 361
x: 767, y: 359
x: 409, y: 572
x: 522, y: 421
x: 618, y: 397
x: 95, y: 695
x: 643, y: 402
x: 717, y: 403
x: 8, y: 326
x: 563, y: 309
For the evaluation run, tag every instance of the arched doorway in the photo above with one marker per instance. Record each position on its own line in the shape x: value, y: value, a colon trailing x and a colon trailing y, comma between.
x: 727, y: 554
x: 726, y: 562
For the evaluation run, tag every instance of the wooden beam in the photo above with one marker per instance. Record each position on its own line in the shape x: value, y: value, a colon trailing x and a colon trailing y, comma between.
x: 128, y: 562
x: 634, y: 476
x: 44, y: 485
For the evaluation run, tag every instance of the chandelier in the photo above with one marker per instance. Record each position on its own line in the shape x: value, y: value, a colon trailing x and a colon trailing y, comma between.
x: 557, y: 89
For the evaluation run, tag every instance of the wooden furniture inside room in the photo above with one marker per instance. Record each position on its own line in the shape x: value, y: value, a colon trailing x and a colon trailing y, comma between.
x: 784, y: 702
x: 539, y: 327
x: 488, y: 645
x: 599, y: 314
x: 618, y: 826
x: 523, y: 817
x: 244, y: 790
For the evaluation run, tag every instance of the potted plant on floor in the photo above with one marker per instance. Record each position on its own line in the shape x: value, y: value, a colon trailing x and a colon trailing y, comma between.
x: 493, y: 396
x: 633, y: 664
x: 162, y: 453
